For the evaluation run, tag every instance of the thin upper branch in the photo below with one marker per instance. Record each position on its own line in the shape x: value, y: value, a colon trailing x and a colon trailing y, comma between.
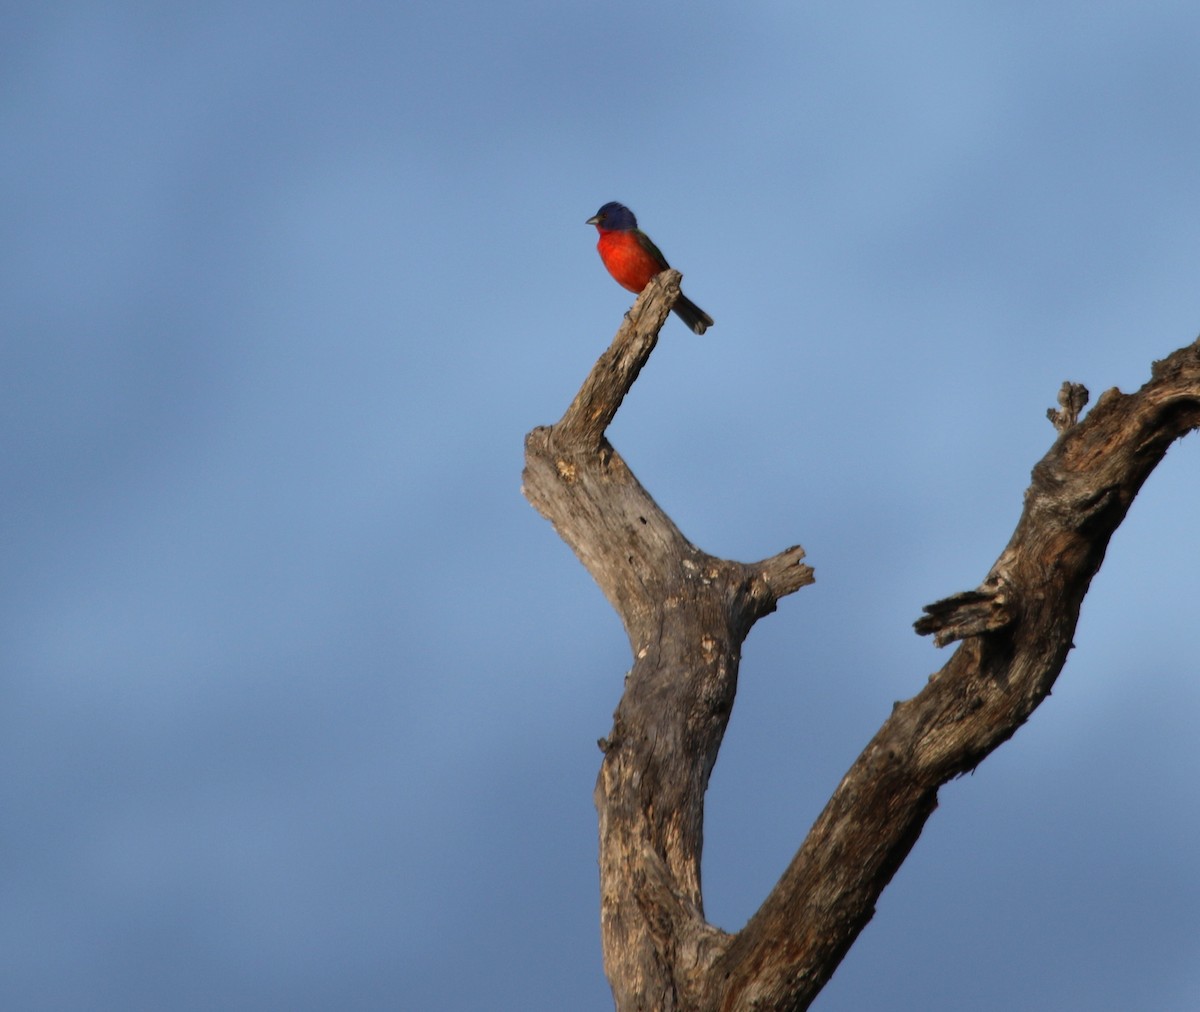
x: 598, y: 400
x: 633, y: 549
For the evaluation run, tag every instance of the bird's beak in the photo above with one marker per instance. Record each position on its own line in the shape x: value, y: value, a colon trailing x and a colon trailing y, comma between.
x: 593, y: 220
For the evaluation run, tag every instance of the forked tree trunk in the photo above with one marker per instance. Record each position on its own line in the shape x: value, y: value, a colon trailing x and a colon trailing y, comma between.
x: 687, y: 613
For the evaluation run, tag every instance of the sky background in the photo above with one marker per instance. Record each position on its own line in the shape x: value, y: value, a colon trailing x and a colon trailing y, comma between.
x: 300, y: 698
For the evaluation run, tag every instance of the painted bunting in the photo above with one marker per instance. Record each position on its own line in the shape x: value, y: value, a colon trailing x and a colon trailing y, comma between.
x: 632, y: 259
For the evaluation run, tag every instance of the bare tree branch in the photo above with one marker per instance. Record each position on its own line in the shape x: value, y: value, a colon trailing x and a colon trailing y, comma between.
x: 687, y: 614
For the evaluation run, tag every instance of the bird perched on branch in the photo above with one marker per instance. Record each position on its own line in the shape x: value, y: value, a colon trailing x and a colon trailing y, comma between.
x: 632, y: 259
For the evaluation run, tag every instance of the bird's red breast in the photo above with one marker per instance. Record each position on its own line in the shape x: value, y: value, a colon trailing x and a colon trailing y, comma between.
x: 627, y: 260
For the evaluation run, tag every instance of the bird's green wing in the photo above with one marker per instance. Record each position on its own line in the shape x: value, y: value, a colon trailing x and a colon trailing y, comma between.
x: 649, y: 247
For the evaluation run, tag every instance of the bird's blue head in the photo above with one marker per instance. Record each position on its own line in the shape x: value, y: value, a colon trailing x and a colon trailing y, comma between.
x: 613, y: 217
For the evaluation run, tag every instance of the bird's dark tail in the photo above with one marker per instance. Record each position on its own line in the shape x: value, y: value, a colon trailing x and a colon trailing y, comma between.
x: 696, y: 318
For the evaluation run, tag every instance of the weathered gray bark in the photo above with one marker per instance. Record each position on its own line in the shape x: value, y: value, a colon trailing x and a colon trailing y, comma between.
x: 687, y: 613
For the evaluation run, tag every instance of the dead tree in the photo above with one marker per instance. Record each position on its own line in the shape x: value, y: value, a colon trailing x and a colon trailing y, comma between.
x: 687, y: 613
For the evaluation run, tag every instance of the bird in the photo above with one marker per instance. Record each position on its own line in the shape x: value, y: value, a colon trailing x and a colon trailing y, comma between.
x: 632, y: 259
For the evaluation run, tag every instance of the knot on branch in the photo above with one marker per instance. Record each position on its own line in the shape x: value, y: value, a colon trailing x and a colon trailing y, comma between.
x: 1072, y: 399
x: 986, y: 609
x: 785, y: 572
x: 773, y: 578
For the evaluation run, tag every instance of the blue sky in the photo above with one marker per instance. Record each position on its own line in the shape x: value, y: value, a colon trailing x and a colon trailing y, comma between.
x: 301, y: 697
